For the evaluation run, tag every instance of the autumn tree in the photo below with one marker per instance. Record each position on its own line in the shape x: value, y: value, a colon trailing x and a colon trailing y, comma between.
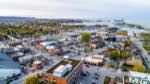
x: 38, y: 34
x: 125, y: 54
x: 39, y: 75
x: 31, y: 80
x: 139, y: 68
x: 127, y: 43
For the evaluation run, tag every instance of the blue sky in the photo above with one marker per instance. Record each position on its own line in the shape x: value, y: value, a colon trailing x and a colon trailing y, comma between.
x: 129, y: 9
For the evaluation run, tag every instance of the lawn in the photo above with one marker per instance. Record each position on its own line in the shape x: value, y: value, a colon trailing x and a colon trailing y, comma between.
x: 147, y: 47
x: 146, y: 37
x: 149, y: 53
x: 127, y: 67
x: 107, y: 80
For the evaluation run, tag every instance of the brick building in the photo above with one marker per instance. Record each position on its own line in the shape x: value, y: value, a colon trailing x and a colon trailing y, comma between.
x: 65, y: 72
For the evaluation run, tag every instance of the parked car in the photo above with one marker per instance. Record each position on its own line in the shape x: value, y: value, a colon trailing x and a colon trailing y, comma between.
x: 94, y: 81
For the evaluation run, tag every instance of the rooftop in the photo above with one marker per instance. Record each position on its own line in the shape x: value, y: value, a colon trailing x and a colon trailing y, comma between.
x: 74, y: 63
x: 7, y: 63
x: 140, y: 75
x: 45, y: 43
x: 7, y: 67
x: 95, y: 59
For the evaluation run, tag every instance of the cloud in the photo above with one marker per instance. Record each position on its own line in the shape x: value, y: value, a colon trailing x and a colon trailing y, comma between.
x: 76, y: 8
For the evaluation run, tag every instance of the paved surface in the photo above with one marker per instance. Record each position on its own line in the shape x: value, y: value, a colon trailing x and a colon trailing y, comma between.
x: 103, y: 72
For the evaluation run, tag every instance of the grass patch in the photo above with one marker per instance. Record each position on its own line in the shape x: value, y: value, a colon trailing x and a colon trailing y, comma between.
x: 147, y: 47
x: 146, y: 37
x: 148, y: 53
x: 147, y: 71
x: 127, y: 67
x: 107, y: 80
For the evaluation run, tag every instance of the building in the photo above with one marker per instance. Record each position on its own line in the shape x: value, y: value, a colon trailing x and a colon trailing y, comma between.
x: 37, y: 64
x: 119, y: 22
x: 25, y: 59
x: 136, y: 60
x: 8, y: 68
x: 94, y: 60
x: 139, y: 78
x: 51, y: 47
x: 65, y: 72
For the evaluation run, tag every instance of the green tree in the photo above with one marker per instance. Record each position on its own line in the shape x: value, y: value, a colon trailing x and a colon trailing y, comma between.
x: 114, y: 54
x: 85, y: 38
x: 125, y: 54
x: 118, y: 54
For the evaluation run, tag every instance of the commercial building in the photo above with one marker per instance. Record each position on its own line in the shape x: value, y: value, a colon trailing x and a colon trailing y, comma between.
x: 94, y: 60
x: 139, y: 78
x: 65, y: 72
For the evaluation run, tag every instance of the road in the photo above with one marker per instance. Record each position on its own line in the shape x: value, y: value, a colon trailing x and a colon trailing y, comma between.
x: 83, y: 54
x: 145, y: 55
x: 53, y: 60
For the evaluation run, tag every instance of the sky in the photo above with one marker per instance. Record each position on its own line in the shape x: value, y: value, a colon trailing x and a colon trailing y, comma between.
x: 133, y: 10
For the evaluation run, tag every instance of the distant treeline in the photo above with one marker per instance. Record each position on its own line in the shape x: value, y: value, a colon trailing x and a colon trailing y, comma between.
x: 34, y: 29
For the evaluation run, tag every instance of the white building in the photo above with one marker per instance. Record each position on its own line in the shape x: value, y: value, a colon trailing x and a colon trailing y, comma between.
x: 46, y: 43
x: 139, y: 78
x: 94, y: 60
x: 62, y: 70
x: 25, y: 59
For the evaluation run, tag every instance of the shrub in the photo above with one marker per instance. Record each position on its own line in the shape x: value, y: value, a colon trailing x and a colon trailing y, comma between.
x: 107, y: 80
x: 139, y: 68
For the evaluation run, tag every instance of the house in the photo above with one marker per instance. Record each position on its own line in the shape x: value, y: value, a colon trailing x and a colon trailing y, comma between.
x: 37, y: 64
x: 65, y: 72
x: 71, y: 43
x: 15, y: 43
x: 53, y: 50
x: 139, y: 78
x: 8, y: 68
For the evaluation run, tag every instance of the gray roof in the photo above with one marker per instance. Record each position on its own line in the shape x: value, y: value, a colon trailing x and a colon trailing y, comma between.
x: 7, y: 63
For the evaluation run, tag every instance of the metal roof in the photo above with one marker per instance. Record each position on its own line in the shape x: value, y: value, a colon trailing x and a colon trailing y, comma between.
x: 6, y: 62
